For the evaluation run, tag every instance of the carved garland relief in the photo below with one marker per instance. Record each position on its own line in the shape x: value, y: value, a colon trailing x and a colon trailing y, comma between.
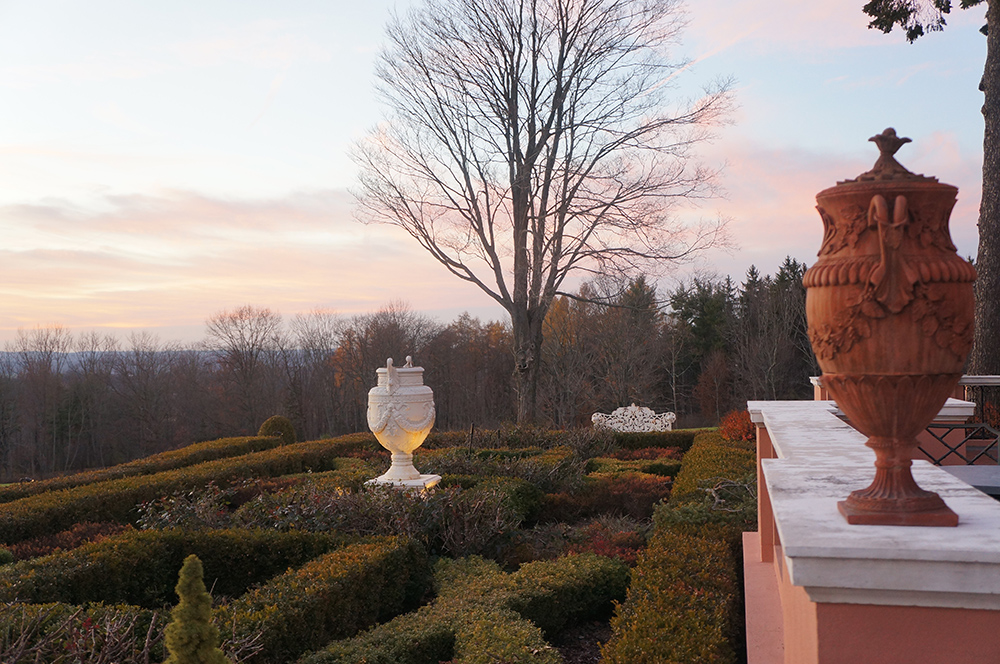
x: 892, y: 282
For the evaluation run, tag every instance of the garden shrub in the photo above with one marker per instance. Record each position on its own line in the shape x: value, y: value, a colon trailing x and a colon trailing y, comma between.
x: 685, y: 603
x: 191, y: 637
x: 332, y: 597
x: 140, y: 567
x: 483, y: 616
x: 186, y: 456
x: 712, y: 457
x: 280, y: 426
x: 626, y: 494
x: 116, y: 500
x: 556, y: 469
x: 488, y: 635
x: 604, y: 540
x: 81, y: 533
x: 736, y: 426
x: 33, y: 633
x: 679, y: 438
x: 682, y: 605
x: 449, y: 520
x: 550, y: 593
x: 665, y: 466
x: 6, y: 556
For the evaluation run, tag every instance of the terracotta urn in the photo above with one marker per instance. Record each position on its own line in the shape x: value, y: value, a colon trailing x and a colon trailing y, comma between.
x: 890, y: 310
x: 401, y: 414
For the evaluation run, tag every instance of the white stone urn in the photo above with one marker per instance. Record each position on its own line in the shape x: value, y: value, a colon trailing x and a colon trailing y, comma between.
x: 401, y: 414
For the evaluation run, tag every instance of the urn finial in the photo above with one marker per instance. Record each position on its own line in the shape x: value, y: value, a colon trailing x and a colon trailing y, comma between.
x: 886, y: 167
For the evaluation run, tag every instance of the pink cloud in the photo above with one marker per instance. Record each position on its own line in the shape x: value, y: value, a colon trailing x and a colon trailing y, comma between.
x: 174, y: 260
x: 771, y: 197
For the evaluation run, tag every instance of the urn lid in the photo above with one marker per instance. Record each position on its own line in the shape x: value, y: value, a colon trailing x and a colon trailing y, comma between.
x: 405, y: 376
x: 886, y: 168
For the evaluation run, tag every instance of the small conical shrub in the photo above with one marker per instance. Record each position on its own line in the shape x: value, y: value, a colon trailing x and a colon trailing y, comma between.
x: 278, y: 426
x: 191, y: 637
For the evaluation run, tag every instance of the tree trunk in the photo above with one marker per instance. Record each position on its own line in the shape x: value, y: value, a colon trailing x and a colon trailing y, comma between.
x: 985, y: 358
x: 527, y: 333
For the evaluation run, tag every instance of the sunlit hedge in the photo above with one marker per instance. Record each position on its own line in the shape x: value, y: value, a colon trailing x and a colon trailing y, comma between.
x: 116, y: 500
x: 140, y: 567
x: 680, y: 605
x: 186, y: 456
x: 331, y: 597
x: 484, y: 616
x: 712, y: 457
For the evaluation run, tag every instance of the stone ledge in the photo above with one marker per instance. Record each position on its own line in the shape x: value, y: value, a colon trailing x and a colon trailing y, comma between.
x: 821, y: 460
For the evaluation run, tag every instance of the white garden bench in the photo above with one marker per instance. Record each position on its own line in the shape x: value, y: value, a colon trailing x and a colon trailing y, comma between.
x: 634, y: 419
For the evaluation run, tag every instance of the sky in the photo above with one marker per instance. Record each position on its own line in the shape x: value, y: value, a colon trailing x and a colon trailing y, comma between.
x: 163, y: 162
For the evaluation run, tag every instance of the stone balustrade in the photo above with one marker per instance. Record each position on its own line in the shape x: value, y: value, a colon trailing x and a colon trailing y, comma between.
x: 821, y: 591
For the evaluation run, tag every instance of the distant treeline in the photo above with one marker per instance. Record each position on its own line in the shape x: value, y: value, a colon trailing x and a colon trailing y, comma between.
x: 77, y: 401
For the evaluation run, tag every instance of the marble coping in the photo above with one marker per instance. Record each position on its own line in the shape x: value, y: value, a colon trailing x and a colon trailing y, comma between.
x: 821, y: 459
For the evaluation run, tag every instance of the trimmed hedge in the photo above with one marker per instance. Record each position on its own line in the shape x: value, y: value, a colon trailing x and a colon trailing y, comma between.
x: 332, y: 597
x: 556, y: 469
x: 484, y: 616
x: 685, y: 604
x: 679, y: 438
x: 662, y: 467
x: 116, y: 500
x: 186, y: 456
x: 623, y: 494
x: 681, y: 605
x: 710, y: 457
x: 280, y: 426
x: 140, y: 567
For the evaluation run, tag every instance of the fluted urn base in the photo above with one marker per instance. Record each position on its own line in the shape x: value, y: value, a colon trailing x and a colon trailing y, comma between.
x: 892, y: 410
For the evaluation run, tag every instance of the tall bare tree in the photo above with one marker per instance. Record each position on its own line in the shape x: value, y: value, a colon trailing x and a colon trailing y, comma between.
x: 530, y: 139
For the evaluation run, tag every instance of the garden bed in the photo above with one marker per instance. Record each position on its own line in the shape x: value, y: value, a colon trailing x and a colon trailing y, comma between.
x: 530, y: 535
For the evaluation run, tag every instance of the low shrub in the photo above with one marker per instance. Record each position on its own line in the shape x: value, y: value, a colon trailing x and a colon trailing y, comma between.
x: 624, y: 494
x: 81, y: 533
x: 117, y: 500
x: 712, y: 458
x: 332, y: 597
x: 483, y: 616
x: 664, y: 466
x: 557, y: 469
x: 685, y: 603
x: 140, y: 567
x: 682, y: 439
x: 186, y: 456
x: 550, y: 593
x: 32, y: 633
x: 280, y: 426
x: 647, y: 453
x: 681, y: 607
x: 604, y: 540
x: 94, y: 634
x: 736, y: 426
x: 451, y: 520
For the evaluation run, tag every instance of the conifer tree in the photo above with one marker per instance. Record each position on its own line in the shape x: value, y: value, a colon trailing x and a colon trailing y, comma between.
x: 191, y: 637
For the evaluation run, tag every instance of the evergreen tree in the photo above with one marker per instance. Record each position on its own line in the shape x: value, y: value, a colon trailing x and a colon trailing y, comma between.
x: 191, y: 637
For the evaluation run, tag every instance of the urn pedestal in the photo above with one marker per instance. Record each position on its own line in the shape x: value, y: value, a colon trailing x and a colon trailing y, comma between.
x: 401, y: 414
x: 890, y: 310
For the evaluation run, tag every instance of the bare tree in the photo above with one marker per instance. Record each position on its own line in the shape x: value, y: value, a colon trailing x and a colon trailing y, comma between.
x: 528, y: 140
x: 246, y: 341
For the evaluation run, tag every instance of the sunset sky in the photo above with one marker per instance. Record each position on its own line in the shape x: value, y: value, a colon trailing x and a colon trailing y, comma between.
x: 160, y: 162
